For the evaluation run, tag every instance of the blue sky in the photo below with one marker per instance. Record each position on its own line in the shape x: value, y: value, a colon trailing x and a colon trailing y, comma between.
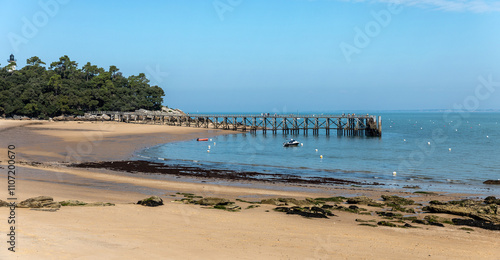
x: 275, y: 56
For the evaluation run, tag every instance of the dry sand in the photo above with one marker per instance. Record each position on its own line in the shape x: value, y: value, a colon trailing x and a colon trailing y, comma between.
x: 185, y: 231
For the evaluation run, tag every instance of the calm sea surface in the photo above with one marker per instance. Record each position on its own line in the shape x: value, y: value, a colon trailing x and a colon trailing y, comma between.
x: 452, y: 152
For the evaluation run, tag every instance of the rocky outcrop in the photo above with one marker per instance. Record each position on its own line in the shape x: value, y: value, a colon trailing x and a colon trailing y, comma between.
x: 153, y: 201
x: 58, y: 118
x: 172, y: 111
x: 389, y: 214
x: 99, y: 204
x: 287, y: 202
x: 479, y: 212
x: 484, y: 214
x: 397, y: 203
x: 432, y: 219
x: 360, y: 200
x: 308, y: 212
x: 72, y: 203
x: 65, y: 118
x: 476, y: 223
x: 495, y: 182
x: 213, y: 201
x: 39, y: 202
x: 76, y: 203
x: 397, y: 200
x: 363, y: 200
x: 338, y: 199
x: 492, y: 200
x: 386, y: 223
x: 273, y: 201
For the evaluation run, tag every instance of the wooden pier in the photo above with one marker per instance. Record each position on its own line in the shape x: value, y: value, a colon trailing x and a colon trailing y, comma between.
x: 346, y: 125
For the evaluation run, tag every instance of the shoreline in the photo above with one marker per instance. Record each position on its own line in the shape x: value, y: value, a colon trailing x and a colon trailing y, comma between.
x: 148, y: 167
x: 128, y: 230
x: 103, y: 137
x: 431, y: 180
x: 104, y: 145
x: 208, y: 170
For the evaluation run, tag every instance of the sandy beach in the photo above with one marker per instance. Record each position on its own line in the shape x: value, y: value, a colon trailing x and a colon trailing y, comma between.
x: 177, y: 230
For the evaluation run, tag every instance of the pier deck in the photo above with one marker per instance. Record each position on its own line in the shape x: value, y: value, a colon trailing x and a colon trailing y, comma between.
x: 347, y: 125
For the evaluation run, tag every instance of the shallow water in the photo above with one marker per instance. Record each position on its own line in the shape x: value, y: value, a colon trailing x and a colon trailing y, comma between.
x: 437, y: 151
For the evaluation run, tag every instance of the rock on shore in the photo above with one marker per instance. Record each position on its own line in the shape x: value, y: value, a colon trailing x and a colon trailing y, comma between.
x: 153, y: 201
x: 39, y: 202
x: 495, y: 182
x: 287, y: 202
x: 213, y: 201
x: 485, y: 214
x: 363, y: 200
x: 308, y: 212
x: 74, y: 203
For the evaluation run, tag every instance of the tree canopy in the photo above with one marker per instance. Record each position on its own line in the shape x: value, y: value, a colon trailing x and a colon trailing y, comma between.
x: 63, y: 88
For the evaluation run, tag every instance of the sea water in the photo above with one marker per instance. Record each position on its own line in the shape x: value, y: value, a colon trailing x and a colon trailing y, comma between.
x: 454, y: 152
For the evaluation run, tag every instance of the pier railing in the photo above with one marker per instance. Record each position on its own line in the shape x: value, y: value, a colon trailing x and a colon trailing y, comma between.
x: 348, y: 125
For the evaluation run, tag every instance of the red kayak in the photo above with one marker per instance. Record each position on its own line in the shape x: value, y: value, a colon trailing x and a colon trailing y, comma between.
x: 202, y: 139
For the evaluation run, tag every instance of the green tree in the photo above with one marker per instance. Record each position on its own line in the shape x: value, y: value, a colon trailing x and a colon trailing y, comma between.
x: 34, y: 61
x: 64, y: 67
x: 55, y: 83
x: 113, y: 70
x: 62, y: 88
x: 90, y: 71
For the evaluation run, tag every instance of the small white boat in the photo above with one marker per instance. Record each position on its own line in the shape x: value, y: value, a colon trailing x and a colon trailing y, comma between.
x: 292, y: 142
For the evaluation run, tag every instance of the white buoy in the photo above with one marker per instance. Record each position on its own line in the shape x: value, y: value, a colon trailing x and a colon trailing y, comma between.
x: 487, y: 137
x: 456, y: 130
x: 210, y: 140
x: 429, y: 143
x: 321, y: 156
x: 394, y: 173
x: 404, y: 140
x: 301, y: 144
x: 209, y: 147
x: 208, y: 151
x: 316, y: 150
x: 421, y: 128
x: 449, y: 149
x: 214, y: 143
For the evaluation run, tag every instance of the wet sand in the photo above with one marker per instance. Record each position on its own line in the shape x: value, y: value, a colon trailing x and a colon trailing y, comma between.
x: 187, y: 231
